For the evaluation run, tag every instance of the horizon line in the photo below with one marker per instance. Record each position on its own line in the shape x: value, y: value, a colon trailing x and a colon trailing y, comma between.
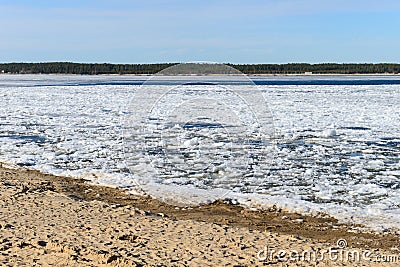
x: 198, y: 62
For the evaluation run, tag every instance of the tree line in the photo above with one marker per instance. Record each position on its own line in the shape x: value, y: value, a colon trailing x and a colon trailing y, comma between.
x: 81, y: 68
x: 324, y: 68
x: 148, y: 69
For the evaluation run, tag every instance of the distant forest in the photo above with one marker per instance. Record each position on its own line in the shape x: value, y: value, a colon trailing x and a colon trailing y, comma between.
x: 147, y: 69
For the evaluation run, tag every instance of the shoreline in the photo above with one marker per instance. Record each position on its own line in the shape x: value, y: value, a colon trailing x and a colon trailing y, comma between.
x: 63, y: 221
x: 169, y: 200
x: 221, y: 211
x: 212, y: 75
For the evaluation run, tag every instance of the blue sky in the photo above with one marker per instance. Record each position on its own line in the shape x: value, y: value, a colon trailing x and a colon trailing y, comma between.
x: 269, y: 31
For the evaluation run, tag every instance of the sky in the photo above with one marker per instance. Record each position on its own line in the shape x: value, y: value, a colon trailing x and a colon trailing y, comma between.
x: 224, y: 31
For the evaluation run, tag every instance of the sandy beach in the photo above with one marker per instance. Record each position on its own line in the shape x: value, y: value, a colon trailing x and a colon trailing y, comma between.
x: 57, y: 221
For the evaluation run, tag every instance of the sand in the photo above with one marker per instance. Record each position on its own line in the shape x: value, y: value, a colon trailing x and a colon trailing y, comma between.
x: 57, y: 221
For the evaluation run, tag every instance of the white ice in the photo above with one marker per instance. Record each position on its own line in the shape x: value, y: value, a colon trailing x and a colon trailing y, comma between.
x: 336, y: 148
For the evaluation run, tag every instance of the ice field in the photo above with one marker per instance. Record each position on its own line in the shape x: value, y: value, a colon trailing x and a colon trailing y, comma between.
x: 312, y: 148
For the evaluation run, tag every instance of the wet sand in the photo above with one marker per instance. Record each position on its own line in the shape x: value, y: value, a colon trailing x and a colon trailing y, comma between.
x: 58, y: 221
